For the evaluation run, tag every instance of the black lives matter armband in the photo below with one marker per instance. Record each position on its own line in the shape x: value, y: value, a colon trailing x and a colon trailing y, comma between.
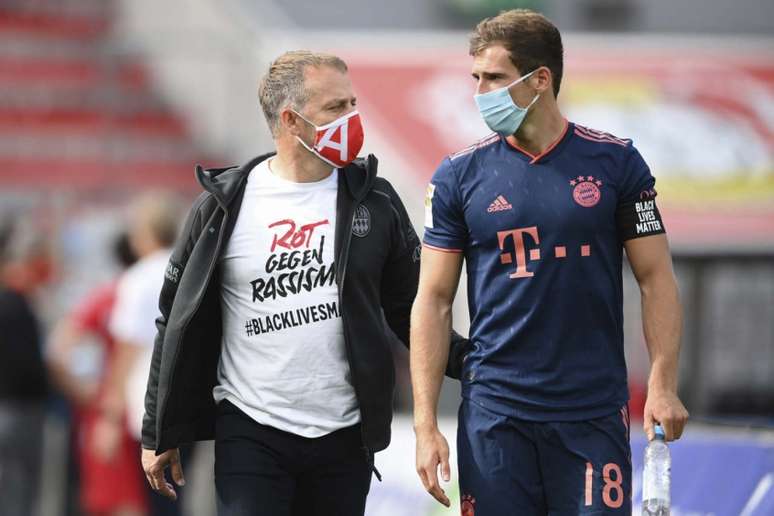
x: 639, y: 218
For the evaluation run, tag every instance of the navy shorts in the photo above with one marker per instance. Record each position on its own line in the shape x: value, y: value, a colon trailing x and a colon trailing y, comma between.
x: 515, y: 467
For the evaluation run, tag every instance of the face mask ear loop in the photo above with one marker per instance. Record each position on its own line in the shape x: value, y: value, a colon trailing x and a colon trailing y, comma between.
x: 302, y: 117
x: 520, y: 79
x: 317, y: 154
x: 302, y: 142
x: 537, y: 96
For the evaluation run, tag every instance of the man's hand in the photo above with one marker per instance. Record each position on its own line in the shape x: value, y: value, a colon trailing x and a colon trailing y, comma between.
x: 432, y: 450
x: 154, y: 466
x: 666, y: 409
x: 662, y: 321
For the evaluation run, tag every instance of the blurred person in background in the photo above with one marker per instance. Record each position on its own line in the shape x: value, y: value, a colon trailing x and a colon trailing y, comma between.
x: 263, y: 345
x: 542, y: 211
x: 80, y: 355
x: 23, y: 382
x: 153, y: 220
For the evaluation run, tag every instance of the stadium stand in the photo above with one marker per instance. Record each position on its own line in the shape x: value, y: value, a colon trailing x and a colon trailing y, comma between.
x: 74, y: 111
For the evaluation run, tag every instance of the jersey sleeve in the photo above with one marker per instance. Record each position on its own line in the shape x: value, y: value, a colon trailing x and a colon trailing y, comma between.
x: 445, y: 227
x: 637, y: 214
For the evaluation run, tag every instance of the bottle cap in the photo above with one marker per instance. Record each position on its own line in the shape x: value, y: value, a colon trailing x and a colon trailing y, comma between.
x: 659, y: 432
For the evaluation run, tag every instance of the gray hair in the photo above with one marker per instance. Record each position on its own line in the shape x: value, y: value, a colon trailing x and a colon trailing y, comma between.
x: 283, y: 83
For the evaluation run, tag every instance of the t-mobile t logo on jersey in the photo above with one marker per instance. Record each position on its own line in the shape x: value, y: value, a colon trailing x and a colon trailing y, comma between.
x: 520, y: 251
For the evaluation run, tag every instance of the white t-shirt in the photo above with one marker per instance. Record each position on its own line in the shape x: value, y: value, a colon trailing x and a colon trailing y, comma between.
x: 283, y: 361
x: 133, y: 321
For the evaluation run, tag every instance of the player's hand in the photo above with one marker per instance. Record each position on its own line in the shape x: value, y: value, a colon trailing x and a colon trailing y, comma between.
x: 432, y: 451
x: 665, y: 408
x: 154, y: 466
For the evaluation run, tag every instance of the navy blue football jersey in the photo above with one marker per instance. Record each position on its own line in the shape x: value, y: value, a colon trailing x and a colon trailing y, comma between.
x: 542, y: 237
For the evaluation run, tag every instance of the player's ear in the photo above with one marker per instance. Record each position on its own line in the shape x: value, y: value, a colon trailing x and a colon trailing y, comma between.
x: 542, y: 79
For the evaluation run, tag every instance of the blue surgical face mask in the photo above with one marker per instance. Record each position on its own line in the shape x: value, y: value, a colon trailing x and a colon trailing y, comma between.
x: 499, y: 111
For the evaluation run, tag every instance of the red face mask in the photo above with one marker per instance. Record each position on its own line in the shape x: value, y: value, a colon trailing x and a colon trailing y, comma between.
x: 338, y: 142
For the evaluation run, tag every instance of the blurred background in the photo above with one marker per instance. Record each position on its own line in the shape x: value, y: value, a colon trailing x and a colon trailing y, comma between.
x: 103, y: 100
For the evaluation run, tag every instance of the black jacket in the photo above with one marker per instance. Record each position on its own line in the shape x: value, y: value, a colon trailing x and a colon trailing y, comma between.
x: 377, y: 266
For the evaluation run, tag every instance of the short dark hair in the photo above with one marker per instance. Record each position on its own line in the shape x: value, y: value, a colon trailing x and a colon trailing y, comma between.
x: 529, y: 37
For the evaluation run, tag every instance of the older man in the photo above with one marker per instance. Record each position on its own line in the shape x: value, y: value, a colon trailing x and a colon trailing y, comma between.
x: 272, y: 338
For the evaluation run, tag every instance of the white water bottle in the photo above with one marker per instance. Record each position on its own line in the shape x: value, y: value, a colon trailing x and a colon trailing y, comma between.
x: 656, y: 476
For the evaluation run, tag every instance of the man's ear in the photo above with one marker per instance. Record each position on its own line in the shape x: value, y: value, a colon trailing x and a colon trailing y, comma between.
x: 290, y: 122
x: 542, y: 79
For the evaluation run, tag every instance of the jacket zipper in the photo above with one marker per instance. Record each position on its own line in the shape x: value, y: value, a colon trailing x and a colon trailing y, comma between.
x: 347, y: 343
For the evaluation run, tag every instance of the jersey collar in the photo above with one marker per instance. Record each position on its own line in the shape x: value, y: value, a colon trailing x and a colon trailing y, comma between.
x: 550, y: 151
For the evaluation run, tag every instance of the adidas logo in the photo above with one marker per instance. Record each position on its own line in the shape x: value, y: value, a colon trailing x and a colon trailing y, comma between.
x: 499, y: 204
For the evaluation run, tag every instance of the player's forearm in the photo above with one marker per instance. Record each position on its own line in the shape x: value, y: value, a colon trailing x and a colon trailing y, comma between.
x: 662, y: 323
x: 430, y: 327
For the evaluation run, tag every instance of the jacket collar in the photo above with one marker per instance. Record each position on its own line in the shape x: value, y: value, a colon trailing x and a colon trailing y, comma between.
x: 225, y: 183
x: 359, y: 176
